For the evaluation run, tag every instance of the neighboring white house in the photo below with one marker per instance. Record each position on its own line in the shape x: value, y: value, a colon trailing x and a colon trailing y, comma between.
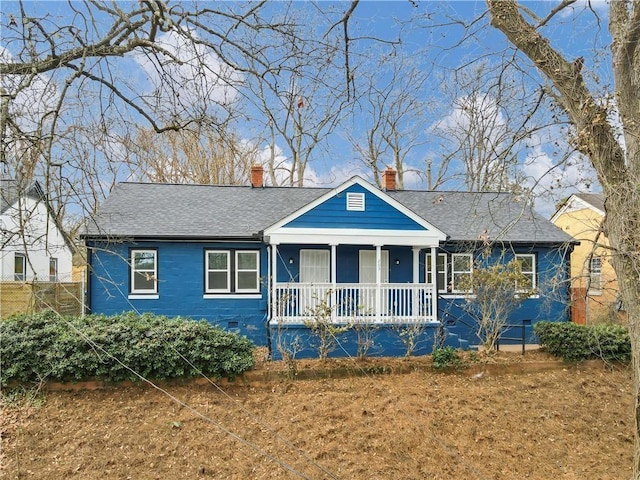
x: 32, y: 246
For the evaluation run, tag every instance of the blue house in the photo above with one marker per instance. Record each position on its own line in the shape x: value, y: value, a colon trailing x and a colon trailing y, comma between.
x: 261, y: 260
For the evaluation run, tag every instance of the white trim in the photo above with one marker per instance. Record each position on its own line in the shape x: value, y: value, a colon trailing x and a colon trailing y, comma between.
x: 207, y: 270
x: 453, y: 272
x: 352, y: 236
x: 212, y: 296
x: 143, y: 297
x: 133, y: 270
x: 274, y: 232
x: 257, y: 272
x: 573, y: 204
x: 534, y: 270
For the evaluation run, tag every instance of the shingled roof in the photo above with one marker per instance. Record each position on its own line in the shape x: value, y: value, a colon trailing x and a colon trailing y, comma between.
x: 10, y: 192
x: 145, y: 210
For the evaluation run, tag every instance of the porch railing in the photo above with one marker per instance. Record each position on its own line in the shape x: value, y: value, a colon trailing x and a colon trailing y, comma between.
x: 352, y: 302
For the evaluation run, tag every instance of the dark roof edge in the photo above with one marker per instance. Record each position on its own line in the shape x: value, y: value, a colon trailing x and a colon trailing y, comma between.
x: 167, y: 238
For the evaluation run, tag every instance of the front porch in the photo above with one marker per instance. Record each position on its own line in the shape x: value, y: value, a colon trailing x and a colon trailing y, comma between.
x: 349, y: 303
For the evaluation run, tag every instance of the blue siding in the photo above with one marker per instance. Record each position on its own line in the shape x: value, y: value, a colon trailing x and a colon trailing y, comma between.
x: 181, y: 274
x: 551, y: 303
x: 333, y: 213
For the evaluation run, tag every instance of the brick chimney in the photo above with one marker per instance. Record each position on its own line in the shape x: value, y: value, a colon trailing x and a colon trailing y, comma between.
x: 257, y: 176
x: 389, y: 179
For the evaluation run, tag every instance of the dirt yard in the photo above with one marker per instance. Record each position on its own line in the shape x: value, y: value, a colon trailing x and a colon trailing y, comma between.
x: 511, y: 418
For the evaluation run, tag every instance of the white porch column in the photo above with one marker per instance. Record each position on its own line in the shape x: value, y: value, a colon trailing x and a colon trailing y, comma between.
x: 378, y: 281
x: 334, y: 282
x: 273, y: 277
x: 415, y: 300
x: 416, y: 264
x: 434, y: 283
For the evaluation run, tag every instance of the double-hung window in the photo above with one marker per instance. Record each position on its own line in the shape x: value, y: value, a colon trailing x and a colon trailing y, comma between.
x: 20, y: 267
x: 144, y: 271
x: 53, y: 269
x: 441, y: 271
x: 232, y: 271
x: 595, y: 275
x: 528, y: 271
x: 461, y: 269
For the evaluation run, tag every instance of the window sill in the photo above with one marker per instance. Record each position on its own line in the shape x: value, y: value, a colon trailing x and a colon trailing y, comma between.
x: 143, y: 296
x: 212, y: 296
x: 594, y: 293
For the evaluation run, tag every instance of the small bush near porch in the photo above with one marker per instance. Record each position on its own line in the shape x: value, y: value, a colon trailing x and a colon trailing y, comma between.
x: 46, y: 346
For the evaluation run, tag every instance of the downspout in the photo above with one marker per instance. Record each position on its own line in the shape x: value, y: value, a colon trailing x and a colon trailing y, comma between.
x: 269, y: 290
x: 87, y: 307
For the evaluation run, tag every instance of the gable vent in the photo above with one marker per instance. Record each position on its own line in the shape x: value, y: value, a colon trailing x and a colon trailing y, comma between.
x: 355, y: 201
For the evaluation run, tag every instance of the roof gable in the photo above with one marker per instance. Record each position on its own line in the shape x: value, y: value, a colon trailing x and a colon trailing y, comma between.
x: 581, y: 201
x: 380, y: 211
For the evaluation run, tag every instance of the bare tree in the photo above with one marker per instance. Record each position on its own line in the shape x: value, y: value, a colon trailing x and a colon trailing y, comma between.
x: 190, y: 156
x: 300, y: 103
x: 617, y: 165
x: 393, y: 102
x: 484, y: 137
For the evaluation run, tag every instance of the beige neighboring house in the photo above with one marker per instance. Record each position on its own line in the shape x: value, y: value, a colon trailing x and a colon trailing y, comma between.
x: 594, y: 285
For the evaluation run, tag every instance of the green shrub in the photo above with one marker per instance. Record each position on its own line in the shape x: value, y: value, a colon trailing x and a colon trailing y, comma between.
x: 445, y: 357
x: 46, y: 346
x: 577, y: 342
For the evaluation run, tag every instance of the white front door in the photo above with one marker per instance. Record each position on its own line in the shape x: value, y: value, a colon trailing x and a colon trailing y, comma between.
x: 315, y: 274
x: 367, y: 274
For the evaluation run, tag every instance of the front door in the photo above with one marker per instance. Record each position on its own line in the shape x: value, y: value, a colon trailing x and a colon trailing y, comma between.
x: 315, y: 275
x: 367, y: 275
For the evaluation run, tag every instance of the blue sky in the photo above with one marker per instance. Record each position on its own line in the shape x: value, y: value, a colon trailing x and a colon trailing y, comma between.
x: 439, y: 37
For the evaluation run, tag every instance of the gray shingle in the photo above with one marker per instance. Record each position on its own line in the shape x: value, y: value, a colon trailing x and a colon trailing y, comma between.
x: 205, y: 211
x: 594, y: 199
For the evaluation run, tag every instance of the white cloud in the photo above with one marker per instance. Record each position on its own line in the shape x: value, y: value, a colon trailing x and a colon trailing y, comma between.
x: 32, y: 100
x: 550, y: 182
x: 197, y: 79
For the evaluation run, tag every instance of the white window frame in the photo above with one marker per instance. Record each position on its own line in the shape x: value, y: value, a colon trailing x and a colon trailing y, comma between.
x: 20, y: 277
x: 232, y: 272
x: 53, y: 261
x: 207, y: 270
x: 237, y: 271
x: 460, y: 272
x: 532, y: 273
x: 444, y: 272
x: 153, y: 272
x: 595, y: 287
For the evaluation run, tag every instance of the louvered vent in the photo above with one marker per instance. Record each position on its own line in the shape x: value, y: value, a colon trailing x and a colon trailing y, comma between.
x: 355, y: 201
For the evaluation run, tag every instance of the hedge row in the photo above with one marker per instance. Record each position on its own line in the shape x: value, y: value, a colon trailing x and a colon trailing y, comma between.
x: 577, y: 342
x: 46, y: 346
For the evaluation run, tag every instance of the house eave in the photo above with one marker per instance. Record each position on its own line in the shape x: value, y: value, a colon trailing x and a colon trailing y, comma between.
x: 170, y: 238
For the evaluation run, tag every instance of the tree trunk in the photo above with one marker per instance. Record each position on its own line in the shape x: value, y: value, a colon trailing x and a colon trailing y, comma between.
x: 618, y: 171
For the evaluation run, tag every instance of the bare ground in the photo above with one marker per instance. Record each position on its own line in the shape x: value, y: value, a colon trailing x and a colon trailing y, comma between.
x: 511, y: 418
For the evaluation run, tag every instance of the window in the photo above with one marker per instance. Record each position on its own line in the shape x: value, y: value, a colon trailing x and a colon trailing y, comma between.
x: 595, y: 274
x: 355, y: 201
x: 441, y: 271
x: 461, y: 268
x: 144, y: 271
x: 218, y: 278
x: 247, y: 271
x: 20, y: 267
x: 528, y: 270
x: 53, y: 269
x: 232, y: 271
